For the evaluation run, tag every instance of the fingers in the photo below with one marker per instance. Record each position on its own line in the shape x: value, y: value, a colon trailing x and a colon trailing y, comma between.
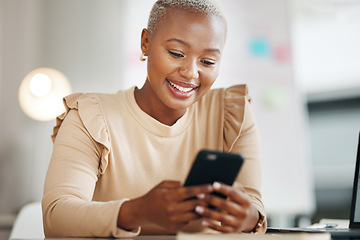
x: 218, y: 226
x: 235, y: 194
x: 186, y: 206
x: 231, y: 212
x: 223, y: 222
x: 164, y: 205
x: 229, y: 221
x: 185, y: 193
x: 178, y: 199
x: 193, y: 191
x: 187, y: 217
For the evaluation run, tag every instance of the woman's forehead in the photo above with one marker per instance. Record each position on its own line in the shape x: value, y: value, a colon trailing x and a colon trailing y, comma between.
x: 192, y: 25
x: 178, y: 15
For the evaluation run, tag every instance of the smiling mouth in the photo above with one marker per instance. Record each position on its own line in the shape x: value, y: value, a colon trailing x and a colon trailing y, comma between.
x: 180, y: 88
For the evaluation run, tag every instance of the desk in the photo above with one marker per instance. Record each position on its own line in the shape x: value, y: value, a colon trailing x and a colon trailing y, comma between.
x: 162, y: 237
x: 281, y: 236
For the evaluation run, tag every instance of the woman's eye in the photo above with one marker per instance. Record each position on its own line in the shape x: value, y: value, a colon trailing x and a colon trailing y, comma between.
x: 209, y: 63
x: 177, y: 55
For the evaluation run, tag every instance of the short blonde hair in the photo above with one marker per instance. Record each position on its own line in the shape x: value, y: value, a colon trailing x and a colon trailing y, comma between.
x: 161, y: 7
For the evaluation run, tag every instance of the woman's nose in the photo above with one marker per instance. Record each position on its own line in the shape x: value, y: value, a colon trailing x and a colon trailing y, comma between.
x: 189, y: 70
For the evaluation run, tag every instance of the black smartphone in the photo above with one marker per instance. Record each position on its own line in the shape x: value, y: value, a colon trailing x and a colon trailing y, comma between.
x: 210, y: 166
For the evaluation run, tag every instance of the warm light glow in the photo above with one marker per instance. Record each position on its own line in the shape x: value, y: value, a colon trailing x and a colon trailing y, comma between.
x: 41, y: 93
x: 40, y: 85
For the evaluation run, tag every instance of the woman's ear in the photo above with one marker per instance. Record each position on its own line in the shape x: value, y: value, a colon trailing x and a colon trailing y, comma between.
x: 145, y: 41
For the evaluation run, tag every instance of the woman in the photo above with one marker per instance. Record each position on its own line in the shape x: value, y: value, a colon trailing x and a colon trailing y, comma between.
x: 119, y: 160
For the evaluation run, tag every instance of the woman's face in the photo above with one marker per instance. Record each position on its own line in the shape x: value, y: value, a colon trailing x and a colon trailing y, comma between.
x: 184, y: 54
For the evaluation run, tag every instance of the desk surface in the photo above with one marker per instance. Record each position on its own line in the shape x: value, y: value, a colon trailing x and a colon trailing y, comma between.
x: 162, y: 237
x: 281, y: 236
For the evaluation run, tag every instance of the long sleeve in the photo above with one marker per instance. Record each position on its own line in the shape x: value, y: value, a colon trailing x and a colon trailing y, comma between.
x: 76, y: 163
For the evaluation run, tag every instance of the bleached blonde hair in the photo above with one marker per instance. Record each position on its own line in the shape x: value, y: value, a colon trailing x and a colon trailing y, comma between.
x: 161, y: 7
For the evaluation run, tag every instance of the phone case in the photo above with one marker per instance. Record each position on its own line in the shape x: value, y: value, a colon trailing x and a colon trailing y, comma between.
x: 211, y: 166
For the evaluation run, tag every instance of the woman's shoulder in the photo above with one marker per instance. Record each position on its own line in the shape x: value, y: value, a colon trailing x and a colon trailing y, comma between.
x: 86, y: 104
x: 231, y: 105
x: 90, y: 109
x: 91, y: 116
x: 240, y: 89
x: 90, y: 104
x: 76, y: 100
x: 234, y: 95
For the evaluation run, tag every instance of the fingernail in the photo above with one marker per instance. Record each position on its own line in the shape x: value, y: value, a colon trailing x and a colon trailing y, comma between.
x: 205, y: 223
x: 199, y: 209
x: 216, y: 185
x: 201, y: 196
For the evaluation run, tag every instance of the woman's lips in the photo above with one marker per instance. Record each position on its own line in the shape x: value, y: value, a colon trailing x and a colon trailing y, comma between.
x: 181, y: 89
x: 181, y: 86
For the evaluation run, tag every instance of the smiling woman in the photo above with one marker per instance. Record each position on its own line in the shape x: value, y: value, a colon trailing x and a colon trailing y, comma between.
x: 119, y: 160
x: 183, y: 62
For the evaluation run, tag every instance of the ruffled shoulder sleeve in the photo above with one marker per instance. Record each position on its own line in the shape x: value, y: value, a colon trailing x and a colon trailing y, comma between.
x: 235, y: 100
x: 92, y: 117
x: 241, y: 136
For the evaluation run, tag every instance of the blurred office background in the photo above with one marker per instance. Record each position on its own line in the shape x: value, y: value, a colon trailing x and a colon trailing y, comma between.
x: 300, y: 58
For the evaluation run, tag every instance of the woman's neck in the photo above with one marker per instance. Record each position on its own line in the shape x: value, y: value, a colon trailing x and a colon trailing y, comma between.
x: 151, y: 104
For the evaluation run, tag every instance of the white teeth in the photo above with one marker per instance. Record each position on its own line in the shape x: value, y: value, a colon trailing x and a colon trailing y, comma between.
x: 181, y: 89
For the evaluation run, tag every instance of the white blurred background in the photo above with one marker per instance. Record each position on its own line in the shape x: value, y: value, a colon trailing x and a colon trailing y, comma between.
x: 300, y: 58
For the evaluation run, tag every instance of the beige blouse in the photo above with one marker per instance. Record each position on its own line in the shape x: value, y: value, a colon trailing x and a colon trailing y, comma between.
x: 107, y: 150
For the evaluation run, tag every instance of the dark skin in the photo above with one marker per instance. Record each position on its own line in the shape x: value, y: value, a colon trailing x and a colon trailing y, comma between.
x: 237, y: 213
x: 186, y: 54
x: 183, y: 63
x: 164, y: 206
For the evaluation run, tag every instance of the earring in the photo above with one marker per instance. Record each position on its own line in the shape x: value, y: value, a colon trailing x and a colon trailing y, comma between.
x: 142, y: 57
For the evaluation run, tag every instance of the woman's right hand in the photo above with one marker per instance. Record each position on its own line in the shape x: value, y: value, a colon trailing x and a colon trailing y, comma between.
x: 164, y: 205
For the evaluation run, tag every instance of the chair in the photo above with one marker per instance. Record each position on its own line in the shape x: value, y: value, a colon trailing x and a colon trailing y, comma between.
x: 28, y: 223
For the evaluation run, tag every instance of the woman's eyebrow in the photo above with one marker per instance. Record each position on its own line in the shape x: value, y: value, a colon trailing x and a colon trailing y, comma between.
x: 216, y: 50
x: 179, y: 41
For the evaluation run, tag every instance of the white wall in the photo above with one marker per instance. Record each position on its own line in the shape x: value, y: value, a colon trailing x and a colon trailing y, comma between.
x: 20, y: 53
x: 326, y: 45
x: 84, y: 39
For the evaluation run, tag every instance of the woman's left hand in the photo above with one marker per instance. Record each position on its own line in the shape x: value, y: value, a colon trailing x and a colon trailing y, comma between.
x: 235, y: 214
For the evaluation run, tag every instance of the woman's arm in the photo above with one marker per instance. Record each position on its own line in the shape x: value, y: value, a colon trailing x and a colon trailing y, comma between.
x: 68, y: 209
